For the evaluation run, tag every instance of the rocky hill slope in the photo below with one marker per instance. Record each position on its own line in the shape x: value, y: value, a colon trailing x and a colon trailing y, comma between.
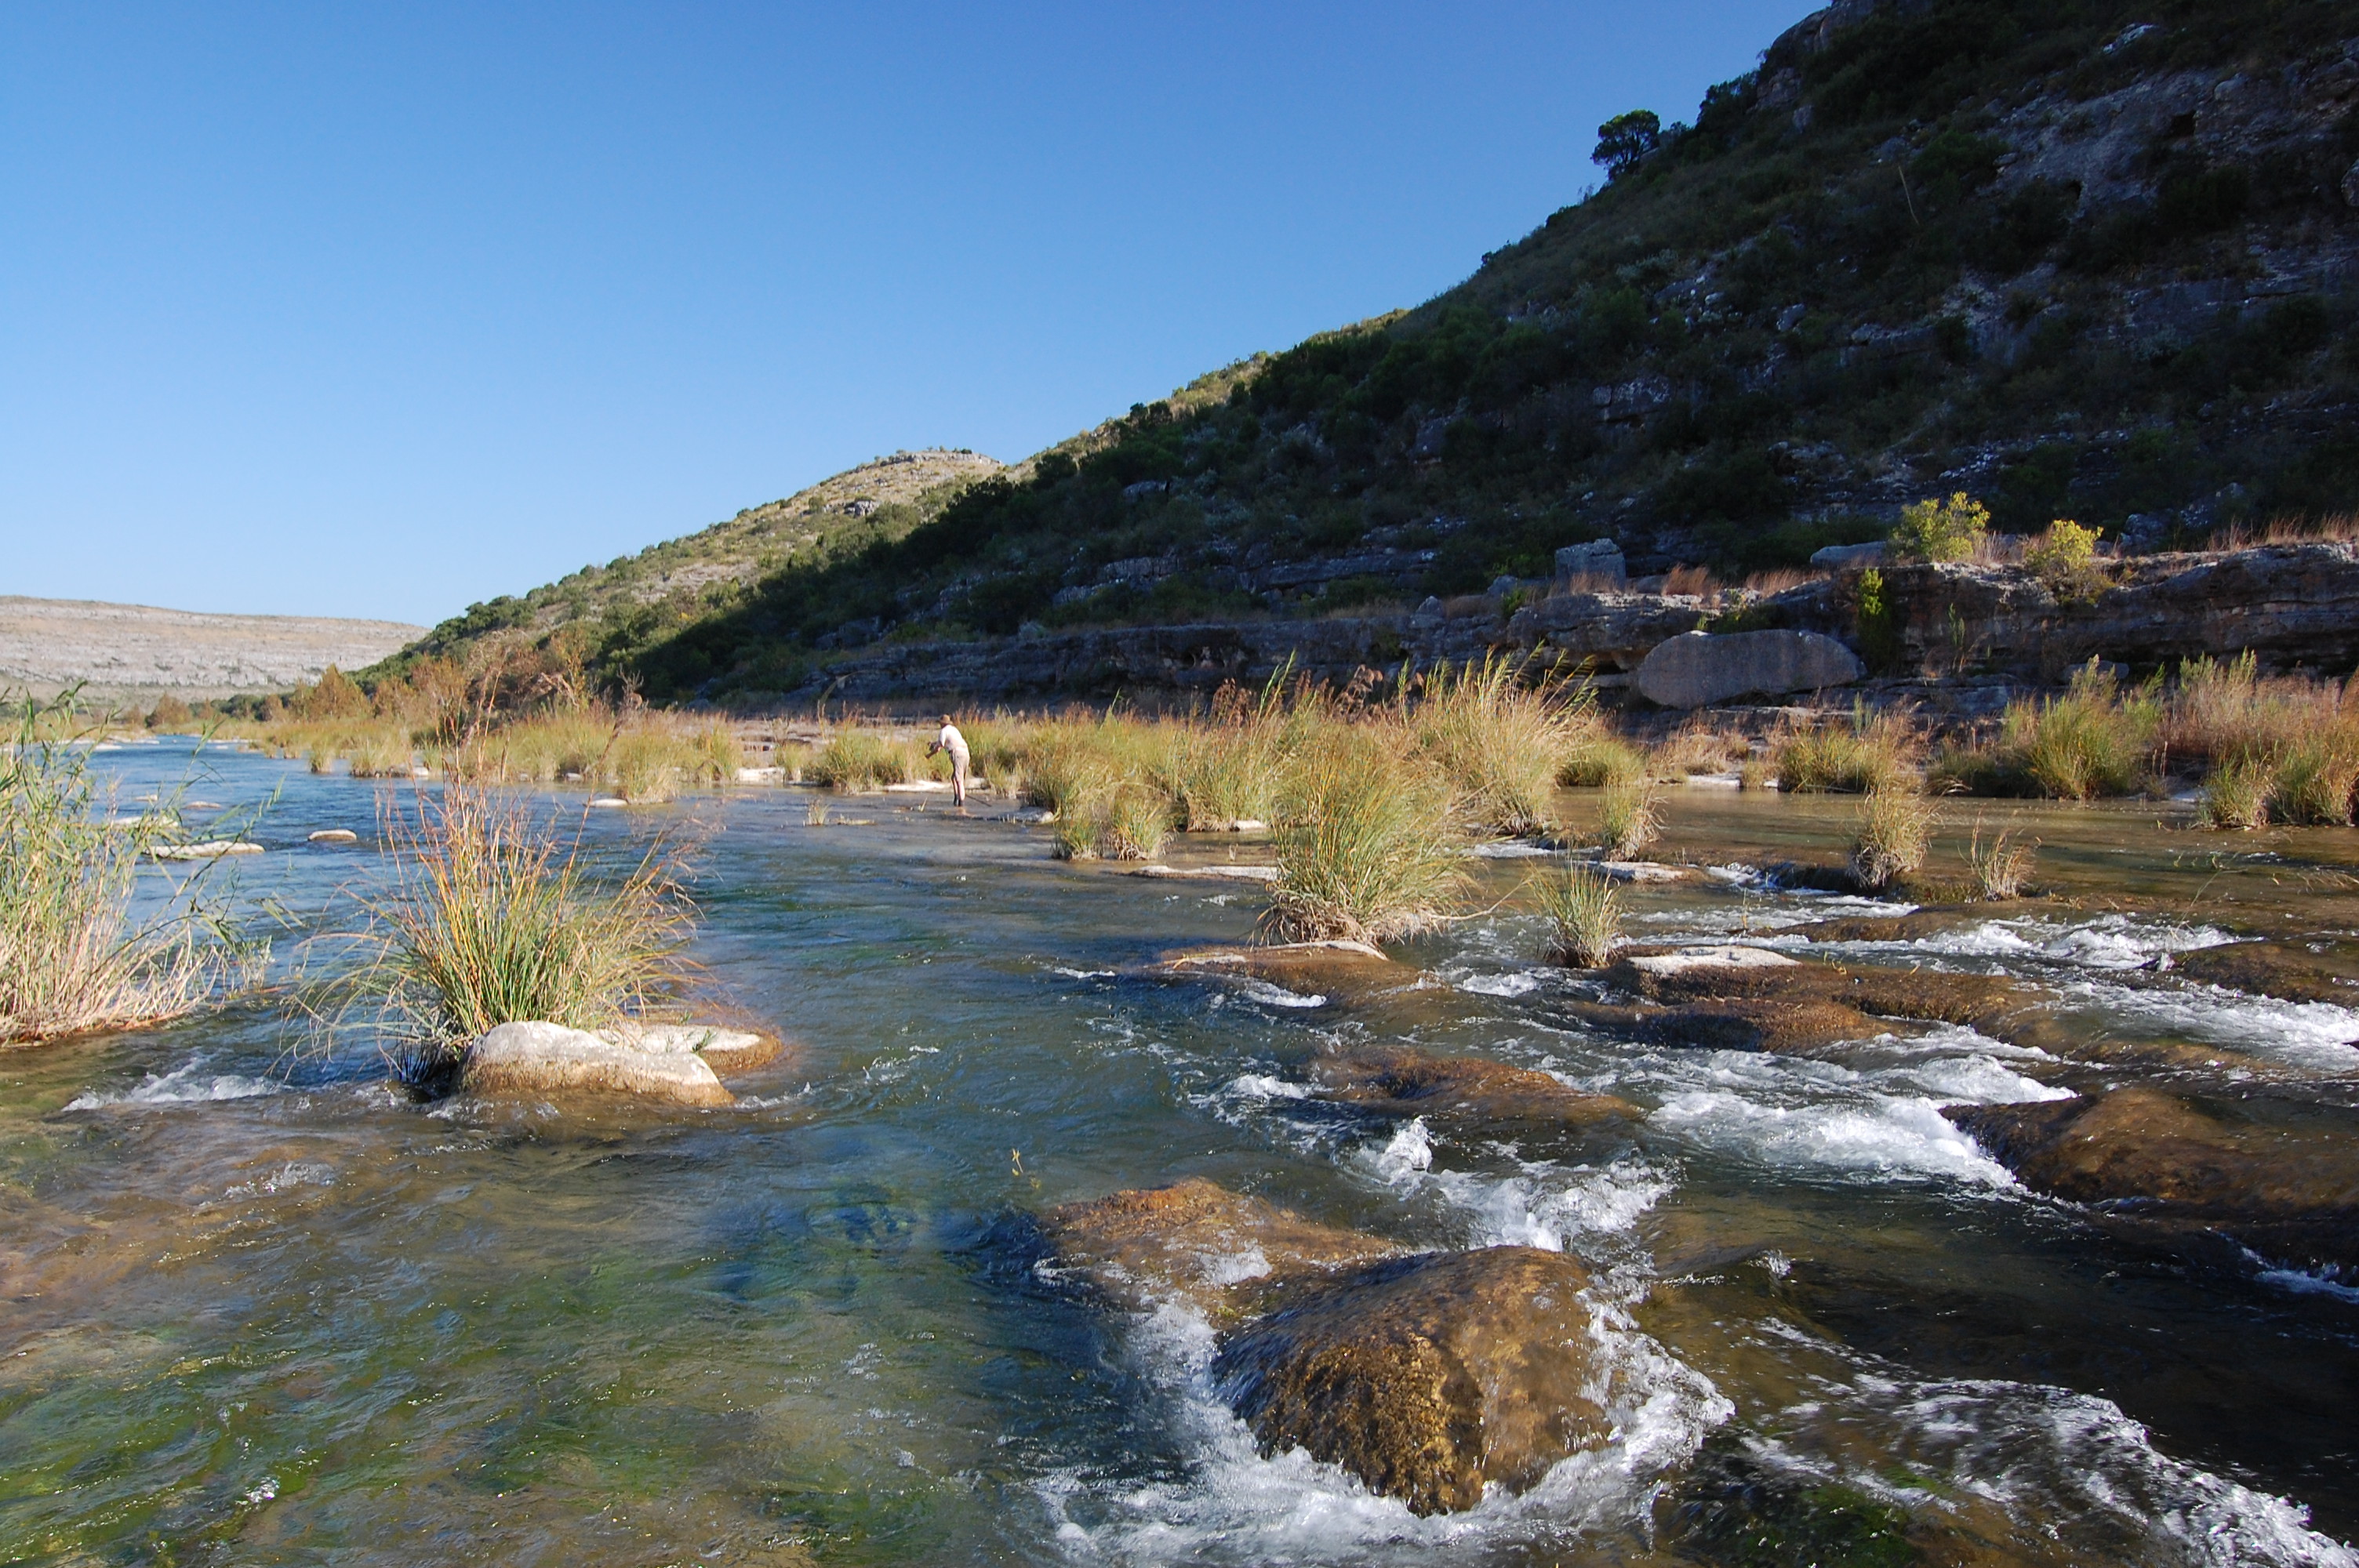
x: 643, y: 598
x: 119, y: 652
x: 2088, y: 258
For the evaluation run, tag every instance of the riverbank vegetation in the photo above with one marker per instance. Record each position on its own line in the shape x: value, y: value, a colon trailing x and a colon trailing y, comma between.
x: 78, y: 954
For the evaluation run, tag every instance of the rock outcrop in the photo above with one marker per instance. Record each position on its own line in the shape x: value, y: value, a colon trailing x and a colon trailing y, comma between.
x: 1698, y: 669
x: 2293, y: 605
x: 1430, y: 1378
x: 2290, y: 1196
x: 662, y: 1062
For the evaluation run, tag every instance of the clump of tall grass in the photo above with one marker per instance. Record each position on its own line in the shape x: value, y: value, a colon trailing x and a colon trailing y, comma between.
x: 1501, y: 742
x: 73, y: 957
x: 1079, y: 831
x: 1586, y: 910
x: 1067, y: 767
x: 1366, y: 847
x: 2236, y: 795
x: 2316, y: 778
x: 1138, y: 821
x: 1226, y: 772
x: 1698, y: 747
x: 1601, y: 759
x: 1629, y: 818
x: 2002, y: 869
x: 2092, y: 741
x: 1869, y: 755
x: 1894, y: 831
x: 855, y: 761
x: 379, y: 754
x: 492, y: 916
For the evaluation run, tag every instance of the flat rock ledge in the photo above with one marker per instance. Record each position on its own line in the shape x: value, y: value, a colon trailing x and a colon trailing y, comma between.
x: 669, y: 1062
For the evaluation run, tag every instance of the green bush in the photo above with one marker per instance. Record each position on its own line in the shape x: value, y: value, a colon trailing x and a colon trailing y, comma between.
x: 1938, y: 530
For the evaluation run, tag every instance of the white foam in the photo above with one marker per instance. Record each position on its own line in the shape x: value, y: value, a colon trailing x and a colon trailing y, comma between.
x: 1512, y: 849
x: 185, y: 1085
x: 2307, y: 1034
x: 1875, y: 1135
x: 2111, y: 942
x: 2303, y: 1282
x: 2078, y: 1472
x: 1269, y: 995
x: 1520, y: 982
x: 1261, y: 1086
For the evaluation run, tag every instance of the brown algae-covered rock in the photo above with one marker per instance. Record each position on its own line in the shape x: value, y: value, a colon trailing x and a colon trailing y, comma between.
x: 2268, y: 969
x: 1414, y: 1084
x: 1784, y: 1026
x: 1429, y: 1377
x: 2292, y: 1195
x: 1200, y: 1242
x: 535, y: 1058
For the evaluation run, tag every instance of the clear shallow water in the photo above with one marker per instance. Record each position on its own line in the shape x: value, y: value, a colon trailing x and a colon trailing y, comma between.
x: 263, y: 1310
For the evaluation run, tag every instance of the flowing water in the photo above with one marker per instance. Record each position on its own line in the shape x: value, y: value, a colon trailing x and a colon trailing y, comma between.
x: 260, y: 1308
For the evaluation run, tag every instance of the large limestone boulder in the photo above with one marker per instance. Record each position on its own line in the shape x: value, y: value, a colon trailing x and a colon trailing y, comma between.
x: 534, y: 1058
x: 1198, y: 1242
x: 1430, y: 1378
x: 1697, y: 669
x: 2291, y: 1195
x: 1600, y: 558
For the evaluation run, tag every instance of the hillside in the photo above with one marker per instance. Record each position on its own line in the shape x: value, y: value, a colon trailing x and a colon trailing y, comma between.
x: 641, y: 598
x: 2080, y: 257
x: 131, y: 652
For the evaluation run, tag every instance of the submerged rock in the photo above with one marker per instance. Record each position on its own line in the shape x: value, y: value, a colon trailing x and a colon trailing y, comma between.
x: 1410, y: 1082
x: 1987, y: 1002
x: 1706, y: 960
x: 1790, y: 1026
x: 2268, y: 969
x: 2292, y: 1196
x: 535, y: 1058
x: 1196, y: 1240
x: 1429, y: 1377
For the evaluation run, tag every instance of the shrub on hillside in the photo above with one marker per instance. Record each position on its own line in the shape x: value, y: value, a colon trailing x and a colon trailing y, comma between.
x: 1938, y: 530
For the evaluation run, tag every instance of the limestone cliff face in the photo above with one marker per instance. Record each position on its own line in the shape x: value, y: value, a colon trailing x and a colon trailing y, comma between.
x: 2293, y: 606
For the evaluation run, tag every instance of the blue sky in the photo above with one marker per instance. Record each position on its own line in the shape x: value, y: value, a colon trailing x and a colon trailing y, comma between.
x: 376, y: 311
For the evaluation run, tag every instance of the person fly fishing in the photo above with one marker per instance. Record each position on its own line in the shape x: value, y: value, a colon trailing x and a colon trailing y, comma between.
x: 951, y: 740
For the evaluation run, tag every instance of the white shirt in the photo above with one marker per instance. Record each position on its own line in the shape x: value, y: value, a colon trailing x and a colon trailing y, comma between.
x: 951, y: 740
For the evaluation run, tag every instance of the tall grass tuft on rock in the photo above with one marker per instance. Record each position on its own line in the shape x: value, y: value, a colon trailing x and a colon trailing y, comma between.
x: 1895, y: 830
x: 1366, y: 847
x: 1629, y: 819
x: 1586, y: 911
x: 1500, y: 741
x: 74, y: 957
x: 493, y: 916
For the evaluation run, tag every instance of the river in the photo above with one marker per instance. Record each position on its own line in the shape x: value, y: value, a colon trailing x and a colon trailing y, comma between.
x: 264, y: 1309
